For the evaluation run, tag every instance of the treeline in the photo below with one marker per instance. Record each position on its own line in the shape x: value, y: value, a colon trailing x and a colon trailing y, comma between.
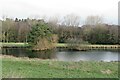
x: 17, y: 30
x: 93, y: 34
x: 67, y: 30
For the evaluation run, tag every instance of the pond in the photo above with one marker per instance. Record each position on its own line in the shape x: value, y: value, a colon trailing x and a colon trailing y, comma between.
x: 64, y: 55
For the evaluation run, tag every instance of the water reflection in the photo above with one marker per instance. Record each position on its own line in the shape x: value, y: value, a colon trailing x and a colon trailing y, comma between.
x: 63, y: 55
x: 87, y: 56
x: 22, y: 52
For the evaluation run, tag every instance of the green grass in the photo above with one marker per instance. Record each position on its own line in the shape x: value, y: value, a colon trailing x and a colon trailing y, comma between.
x: 61, y: 44
x: 14, y: 44
x: 36, y: 68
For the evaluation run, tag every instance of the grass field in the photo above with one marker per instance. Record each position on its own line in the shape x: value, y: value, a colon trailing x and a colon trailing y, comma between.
x: 35, y: 68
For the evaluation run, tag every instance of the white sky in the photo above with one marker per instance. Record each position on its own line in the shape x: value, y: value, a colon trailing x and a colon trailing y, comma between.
x: 29, y: 8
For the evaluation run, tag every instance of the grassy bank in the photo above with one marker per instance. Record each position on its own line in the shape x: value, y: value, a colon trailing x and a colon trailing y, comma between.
x: 57, y: 45
x: 36, y: 68
x: 87, y: 47
x: 78, y: 47
x: 11, y: 44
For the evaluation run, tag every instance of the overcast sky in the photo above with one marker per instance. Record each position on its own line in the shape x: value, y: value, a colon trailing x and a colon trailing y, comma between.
x: 36, y: 8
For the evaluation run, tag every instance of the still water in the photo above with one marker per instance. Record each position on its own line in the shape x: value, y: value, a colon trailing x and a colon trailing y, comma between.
x: 63, y: 55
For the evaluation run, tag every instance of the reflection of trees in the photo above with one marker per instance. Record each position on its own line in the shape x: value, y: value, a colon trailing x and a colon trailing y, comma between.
x: 47, y: 54
x: 18, y: 52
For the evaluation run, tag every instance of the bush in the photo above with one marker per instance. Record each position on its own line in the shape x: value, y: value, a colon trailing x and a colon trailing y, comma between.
x: 41, y: 37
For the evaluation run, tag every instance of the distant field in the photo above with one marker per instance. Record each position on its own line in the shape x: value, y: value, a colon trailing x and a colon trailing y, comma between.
x: 35, y: 68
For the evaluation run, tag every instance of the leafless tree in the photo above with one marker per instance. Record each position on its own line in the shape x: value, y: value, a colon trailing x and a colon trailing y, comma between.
x: 54, y: 21
x: 71, y: 20
x: 94, y: 20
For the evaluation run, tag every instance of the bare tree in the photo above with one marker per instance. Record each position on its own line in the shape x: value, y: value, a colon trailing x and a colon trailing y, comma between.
x: 54, y: 21
x: 6, y: 26
x: 71, y: 20
x: 94, y: 20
